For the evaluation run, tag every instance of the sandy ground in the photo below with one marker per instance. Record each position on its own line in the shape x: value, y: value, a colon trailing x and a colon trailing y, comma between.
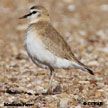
x: 84, y: 25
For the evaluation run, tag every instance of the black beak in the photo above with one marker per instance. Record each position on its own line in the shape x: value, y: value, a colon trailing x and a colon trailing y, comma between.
x: 25, y: 16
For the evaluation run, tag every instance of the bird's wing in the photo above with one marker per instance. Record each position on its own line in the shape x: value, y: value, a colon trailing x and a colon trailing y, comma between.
x: 56, y: 44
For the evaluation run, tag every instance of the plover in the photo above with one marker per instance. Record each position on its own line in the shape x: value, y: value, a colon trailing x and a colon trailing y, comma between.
x: 46, y: 47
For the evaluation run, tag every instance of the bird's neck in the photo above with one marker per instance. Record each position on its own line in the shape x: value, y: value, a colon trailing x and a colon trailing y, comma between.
x: 39, y: 26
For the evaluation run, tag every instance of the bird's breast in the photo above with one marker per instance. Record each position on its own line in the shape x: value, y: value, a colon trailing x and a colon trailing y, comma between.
x: 36, y: 49
x: 34, y: 44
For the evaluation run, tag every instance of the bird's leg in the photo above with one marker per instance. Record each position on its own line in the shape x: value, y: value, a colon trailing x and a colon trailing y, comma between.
x: 49, y: 91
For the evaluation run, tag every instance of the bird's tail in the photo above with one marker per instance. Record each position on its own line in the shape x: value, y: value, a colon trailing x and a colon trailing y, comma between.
x: 89, y: 70
x: 82, y: 67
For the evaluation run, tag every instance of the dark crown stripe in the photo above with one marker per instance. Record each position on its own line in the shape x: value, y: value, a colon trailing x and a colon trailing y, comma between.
x: 33, y: 7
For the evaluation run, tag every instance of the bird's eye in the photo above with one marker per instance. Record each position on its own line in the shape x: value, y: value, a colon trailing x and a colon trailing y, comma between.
x: 34, y: 12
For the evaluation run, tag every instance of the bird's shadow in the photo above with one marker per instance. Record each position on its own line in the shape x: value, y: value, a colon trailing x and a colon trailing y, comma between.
x: 13, y: 92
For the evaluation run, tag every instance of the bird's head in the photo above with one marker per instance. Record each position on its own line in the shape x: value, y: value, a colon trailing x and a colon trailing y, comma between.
x: 36, y: 14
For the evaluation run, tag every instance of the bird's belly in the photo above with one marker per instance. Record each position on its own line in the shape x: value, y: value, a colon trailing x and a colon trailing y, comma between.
x: 37, y: 51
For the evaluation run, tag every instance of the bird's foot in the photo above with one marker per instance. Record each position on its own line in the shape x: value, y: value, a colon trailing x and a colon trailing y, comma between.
x: 49, y: 91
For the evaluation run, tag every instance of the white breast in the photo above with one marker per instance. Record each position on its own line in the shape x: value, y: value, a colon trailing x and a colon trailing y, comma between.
x: 36, y: 48
x: 33, y: 44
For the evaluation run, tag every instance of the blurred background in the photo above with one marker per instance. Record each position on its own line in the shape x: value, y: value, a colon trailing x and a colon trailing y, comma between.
x: 84, y: 25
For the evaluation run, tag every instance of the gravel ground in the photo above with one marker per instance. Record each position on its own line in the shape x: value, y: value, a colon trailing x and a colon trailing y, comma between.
x: 84, y: 24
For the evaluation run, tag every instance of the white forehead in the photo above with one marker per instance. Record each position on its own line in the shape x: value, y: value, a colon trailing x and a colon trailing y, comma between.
x: 31, y: 10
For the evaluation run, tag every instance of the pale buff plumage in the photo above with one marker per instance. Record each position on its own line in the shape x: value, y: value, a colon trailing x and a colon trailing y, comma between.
x: 46, y: 47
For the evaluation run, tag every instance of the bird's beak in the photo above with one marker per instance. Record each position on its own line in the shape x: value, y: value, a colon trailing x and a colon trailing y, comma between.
x: 25, y: 16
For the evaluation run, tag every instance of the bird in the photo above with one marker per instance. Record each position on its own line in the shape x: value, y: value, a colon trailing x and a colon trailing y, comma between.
x: 46, y: 46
